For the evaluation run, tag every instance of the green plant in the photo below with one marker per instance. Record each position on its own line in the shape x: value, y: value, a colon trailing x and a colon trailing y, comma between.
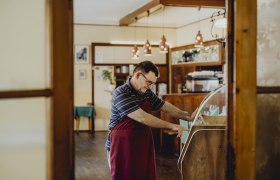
x: 107, y: 76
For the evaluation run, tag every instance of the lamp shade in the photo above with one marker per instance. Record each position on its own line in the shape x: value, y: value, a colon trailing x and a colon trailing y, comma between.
x: 198, y: 40
x: 135, y: 52
x: 221, y: 23
x: 163, y: 46
x: 147, y: 49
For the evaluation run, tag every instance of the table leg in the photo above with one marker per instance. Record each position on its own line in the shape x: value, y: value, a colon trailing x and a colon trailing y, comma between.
x: 77, y: 124
x: 90, y: 124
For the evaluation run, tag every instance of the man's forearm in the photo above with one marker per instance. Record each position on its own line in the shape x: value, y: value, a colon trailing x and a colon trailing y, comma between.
x: 175, y: 112
x: 152, y: 121
x: 149, y: 120
x: 155, y: 122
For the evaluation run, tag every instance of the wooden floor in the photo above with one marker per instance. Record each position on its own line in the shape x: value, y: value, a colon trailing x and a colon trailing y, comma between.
x: 91, y: 161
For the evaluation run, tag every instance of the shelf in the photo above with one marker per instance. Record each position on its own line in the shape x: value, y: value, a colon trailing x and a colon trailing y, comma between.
x: 212, y: 53
x: 122, y: 74
x: 208, y: 63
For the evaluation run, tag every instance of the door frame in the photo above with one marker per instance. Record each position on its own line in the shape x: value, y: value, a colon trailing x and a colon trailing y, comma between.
x: 242, y: 85
x: 63, y: 90
x: 59, y: 40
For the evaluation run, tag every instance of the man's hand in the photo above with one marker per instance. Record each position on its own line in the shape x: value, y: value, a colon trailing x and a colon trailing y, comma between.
x: 193, y: 114
x: 177, y: 129
x: 187, y: 117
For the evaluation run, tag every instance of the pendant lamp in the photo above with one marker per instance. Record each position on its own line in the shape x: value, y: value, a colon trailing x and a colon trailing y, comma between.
x: 147, y: 49
x: 147, y: 46
x: 163, y: 46
x: 135, y: 50
x: 198, y: 38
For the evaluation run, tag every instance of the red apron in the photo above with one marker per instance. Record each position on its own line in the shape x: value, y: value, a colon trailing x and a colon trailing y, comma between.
x: 132, y: 152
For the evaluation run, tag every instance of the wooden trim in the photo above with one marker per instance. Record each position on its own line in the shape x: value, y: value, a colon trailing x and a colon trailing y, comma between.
x: 128, y: 19
x: 26, y: 93
x: 190, y: 3
x: 110, y: 44
x: 244, y: 89
x: 62, y: 82
x: 103, y: 64
x: 268, y: 90
x: 93, y: 45
x: 191, y: 64
x: 230, y: 99
x: 168, y: 70
x: 92, y: 70
x: 209, y: 63
x: 191, y: 46
x: 82, y: 131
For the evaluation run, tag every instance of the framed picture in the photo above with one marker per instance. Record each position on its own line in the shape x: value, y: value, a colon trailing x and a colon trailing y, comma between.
x: 82, y: 74
x: 81, y: 54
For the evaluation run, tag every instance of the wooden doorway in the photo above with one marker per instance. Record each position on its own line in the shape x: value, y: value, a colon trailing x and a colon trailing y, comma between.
x: 56, y: 33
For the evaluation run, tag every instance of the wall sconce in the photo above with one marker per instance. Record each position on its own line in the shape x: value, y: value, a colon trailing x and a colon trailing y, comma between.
x: 219, y: 23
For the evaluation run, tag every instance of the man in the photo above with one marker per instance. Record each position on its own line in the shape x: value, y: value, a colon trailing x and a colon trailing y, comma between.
x: 130, y: 144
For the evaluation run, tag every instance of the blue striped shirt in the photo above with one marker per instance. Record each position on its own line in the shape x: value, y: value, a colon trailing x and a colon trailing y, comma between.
x: 125, y: 100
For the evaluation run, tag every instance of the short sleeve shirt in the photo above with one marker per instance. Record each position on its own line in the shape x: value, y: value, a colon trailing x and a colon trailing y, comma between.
x: 125, y: 100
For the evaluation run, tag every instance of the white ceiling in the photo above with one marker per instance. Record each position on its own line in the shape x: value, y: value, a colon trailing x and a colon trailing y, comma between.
x: 109, y: 12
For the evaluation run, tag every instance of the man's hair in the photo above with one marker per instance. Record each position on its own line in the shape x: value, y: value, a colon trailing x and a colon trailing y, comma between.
x: 146, y: 67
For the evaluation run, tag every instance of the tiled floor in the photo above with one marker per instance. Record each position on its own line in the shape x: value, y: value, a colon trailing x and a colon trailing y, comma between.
x: 91, y: 161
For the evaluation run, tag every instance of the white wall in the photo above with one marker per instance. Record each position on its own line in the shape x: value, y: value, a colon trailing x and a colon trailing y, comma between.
x: 186, y: 35
x: 87, y: 34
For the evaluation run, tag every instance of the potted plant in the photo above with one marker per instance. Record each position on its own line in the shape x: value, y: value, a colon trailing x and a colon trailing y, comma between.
x: 107, y: 76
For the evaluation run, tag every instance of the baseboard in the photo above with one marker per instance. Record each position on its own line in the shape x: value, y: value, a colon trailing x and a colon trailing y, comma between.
x: 89, y: 131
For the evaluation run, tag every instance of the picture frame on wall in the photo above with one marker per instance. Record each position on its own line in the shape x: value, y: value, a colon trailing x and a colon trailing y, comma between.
x: 82, y: 74
x: 81, y: 54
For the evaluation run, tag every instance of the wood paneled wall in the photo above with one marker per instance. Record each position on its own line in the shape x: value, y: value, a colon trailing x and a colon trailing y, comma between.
x: 187, y: 102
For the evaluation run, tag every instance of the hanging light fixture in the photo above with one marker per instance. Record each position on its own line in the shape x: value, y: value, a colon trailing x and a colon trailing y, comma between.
x: 135, y: 50
x: 163, y: 46
x: 147, y: 46
x: 147, y: 49
x: 198, y: 39
x: 220, y: 23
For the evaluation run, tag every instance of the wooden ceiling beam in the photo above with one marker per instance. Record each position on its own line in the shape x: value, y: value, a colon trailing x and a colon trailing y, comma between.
x: 191, y: 3
x: 128, y: 19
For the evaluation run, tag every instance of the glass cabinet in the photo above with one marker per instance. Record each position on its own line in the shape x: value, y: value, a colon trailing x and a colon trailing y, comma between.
x: 203, y: 153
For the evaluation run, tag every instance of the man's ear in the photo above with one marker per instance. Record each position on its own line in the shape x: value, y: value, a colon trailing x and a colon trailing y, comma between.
x: 137, y: 74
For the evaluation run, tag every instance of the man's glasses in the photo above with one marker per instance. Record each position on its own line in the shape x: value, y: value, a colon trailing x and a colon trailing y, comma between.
x: 149, y: 83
